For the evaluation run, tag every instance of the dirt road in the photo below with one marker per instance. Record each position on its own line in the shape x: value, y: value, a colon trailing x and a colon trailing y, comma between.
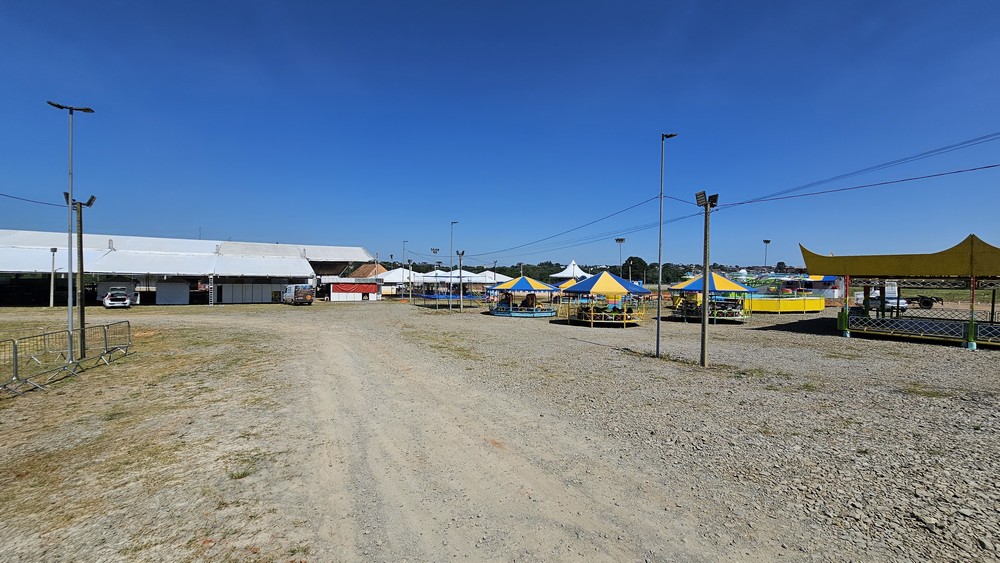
x: 419, y: 463
x: 386, y: 432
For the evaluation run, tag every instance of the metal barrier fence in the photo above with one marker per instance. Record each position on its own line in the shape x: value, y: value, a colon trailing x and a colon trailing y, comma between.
x: 25, y: 361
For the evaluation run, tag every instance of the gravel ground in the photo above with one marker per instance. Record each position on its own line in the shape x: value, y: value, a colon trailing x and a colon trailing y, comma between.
x: 881, y: 449
x: 382, y: 431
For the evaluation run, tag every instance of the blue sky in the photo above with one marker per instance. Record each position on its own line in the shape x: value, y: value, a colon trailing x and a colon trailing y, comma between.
x: 535, y: 125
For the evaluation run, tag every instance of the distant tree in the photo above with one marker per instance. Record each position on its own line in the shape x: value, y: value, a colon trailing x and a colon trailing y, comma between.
x: 780, y: 267
x: 634, y: 268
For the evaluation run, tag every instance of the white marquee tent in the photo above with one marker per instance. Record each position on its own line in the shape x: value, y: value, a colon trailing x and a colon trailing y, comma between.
x: 571, y: 271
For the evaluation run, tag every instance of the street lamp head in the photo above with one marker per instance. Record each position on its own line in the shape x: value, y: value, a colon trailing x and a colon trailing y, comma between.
x: 454, y: 222
x: 620, y: 240
x: 668, y: 136
x: 700, y: 199
x: 713, y: 200
x: 91, y: 201
x: 767, y: 241
x: 70, y: 108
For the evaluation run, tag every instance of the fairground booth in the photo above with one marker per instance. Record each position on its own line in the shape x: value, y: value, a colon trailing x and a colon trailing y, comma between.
x: 727, y: 299
x: 606, y: 300
x: 936, y: 295
x: 522, y: 297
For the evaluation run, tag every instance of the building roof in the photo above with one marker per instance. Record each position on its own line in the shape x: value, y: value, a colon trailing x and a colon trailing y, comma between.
x: 367, y: 271
x: 31, y: 252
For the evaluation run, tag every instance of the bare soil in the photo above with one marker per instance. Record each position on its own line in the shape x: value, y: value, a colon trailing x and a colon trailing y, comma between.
x: 388, y: 432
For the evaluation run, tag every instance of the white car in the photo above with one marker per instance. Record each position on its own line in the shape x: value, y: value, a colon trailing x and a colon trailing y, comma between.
x: 117, y: 297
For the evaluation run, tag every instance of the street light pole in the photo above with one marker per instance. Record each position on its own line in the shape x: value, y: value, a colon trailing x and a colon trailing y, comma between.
x: 706, y: 277
x: 620, y: 241
x: 80, y: 300
x: 766, y: 242
x: 403, y: 262
x: 659, y: 255
x: 52, y: 280
x: 69, y: 234
x: 451, y: 244
x: 461, y: 303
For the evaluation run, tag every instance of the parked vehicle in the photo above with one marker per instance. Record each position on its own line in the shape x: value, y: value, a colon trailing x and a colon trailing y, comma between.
x: 926, y: 301
x: 117, y: 297
x: 298, y: 294
x: 891, y: 303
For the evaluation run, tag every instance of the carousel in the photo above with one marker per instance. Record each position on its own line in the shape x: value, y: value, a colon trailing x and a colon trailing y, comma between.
x: 727, y: 299
x: 606, y: 300
x: 519, y: 298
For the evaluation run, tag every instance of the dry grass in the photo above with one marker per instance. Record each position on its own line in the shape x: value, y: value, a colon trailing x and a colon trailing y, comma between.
x: 146, y: 425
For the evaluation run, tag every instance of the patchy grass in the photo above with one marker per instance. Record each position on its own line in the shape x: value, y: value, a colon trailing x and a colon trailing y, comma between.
x: 147, y: 427
x: 244, y: 463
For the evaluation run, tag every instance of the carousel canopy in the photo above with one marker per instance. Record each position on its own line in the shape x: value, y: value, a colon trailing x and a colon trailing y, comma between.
x: 524, y: 283
x: 606, y: 283
x: 568, y: 283
x: 571, y: 271
x: 717, y: 283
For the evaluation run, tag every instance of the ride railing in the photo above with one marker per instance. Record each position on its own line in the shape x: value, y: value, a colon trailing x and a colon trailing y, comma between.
x: 37, y: 360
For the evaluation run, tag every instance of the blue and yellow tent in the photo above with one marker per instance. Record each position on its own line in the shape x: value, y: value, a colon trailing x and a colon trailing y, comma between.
x: 523, y: 283
x: 612, y: 307
x: 717, y: 283
x: 606, y: 283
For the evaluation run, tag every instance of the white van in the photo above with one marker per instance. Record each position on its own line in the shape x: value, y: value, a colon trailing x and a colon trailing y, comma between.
x: 298, y: 294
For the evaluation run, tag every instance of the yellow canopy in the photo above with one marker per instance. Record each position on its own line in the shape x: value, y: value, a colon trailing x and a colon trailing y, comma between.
x: 971, y: 257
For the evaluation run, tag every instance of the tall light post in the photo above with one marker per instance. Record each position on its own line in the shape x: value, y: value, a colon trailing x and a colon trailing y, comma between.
x: 80, y: 301
x: 620, y: 241
x: 451, y: 244
x: 767, y: 241
x: 404, y: 262
x: 52, y: 280
x: 461, y: 296
x: 409, y: 263
x: 69, y: 233
x: 706, y: 276
x: 437, y: 276
x: 659, y: 252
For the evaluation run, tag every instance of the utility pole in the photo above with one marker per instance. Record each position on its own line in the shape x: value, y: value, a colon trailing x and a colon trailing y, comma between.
x: 706, y: 279
x: 659, y: 251
x: 461, y: 293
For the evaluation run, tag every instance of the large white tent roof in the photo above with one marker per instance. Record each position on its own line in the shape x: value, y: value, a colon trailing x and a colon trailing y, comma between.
x: 571, y: 271
x: 30, y: 252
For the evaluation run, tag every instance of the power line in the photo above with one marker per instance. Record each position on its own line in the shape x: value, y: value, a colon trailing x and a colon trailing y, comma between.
x: 905, y: 160
x: 31, y: 200
x: 495, y: 252
x: 863, y: 186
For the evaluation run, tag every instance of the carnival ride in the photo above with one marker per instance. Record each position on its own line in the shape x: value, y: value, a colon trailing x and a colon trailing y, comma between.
x: 529, y: 306
x: 606, y: 300
x: 727, y: 300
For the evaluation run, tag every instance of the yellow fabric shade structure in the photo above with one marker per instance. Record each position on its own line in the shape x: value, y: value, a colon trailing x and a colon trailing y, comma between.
x: 970, y: 258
